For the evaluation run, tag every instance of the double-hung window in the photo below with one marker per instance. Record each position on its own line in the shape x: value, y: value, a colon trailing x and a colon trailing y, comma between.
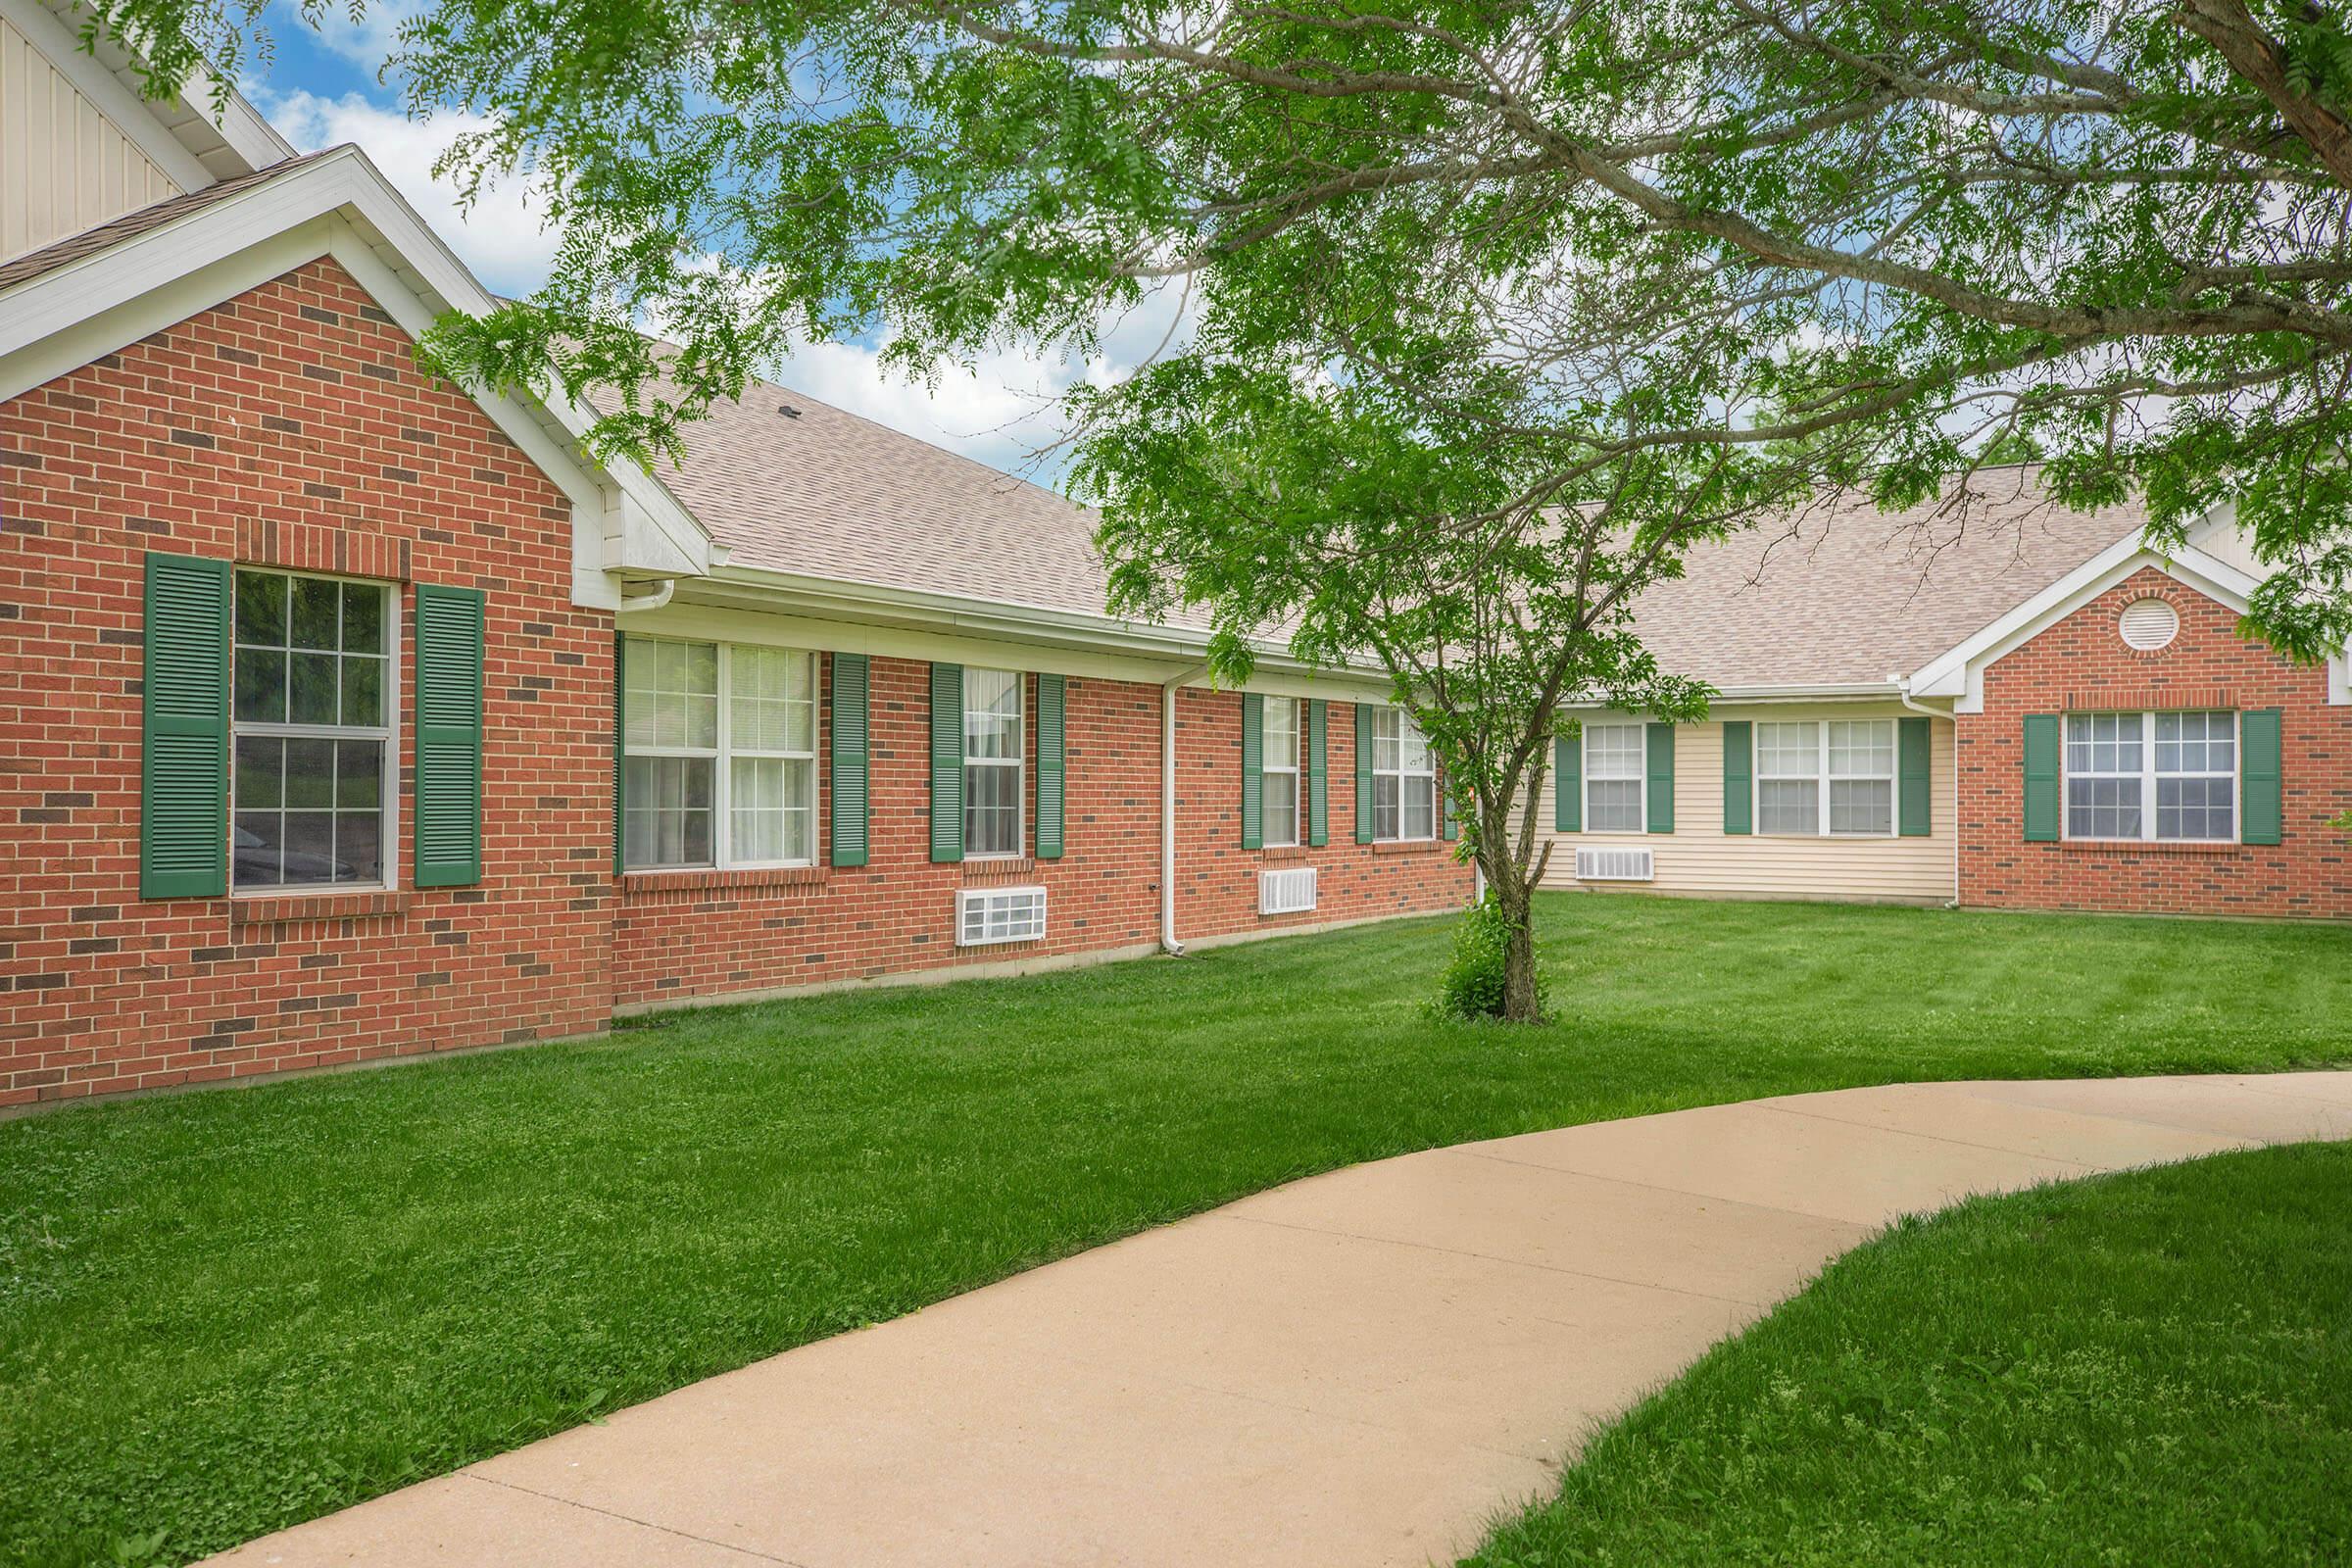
x: 1833, y: 778
x: 1404, y: 781
x: 992, y: 762
x: 1280, y: 773
x: 2185, y: 764
x: 1614, y: 797
x: 720, y: 743
x: 314, y: 760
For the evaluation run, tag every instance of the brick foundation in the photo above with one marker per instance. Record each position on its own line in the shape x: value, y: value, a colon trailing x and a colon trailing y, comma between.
x: 2082, y: 665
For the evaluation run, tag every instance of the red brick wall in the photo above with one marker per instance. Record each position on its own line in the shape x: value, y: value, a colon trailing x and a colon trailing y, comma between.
x: 290, y: 426
x: 698, y: 934
x: 2082, y: 663
x: 1216, y: 879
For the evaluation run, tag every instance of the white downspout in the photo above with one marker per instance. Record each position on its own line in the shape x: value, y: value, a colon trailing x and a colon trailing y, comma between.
x: 1167, y: 808
x: 1902, y: 690
x: 652, y: 600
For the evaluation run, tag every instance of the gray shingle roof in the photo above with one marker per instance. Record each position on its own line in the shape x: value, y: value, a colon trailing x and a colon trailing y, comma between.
x: 1845, y: 594
x: 824, y: 493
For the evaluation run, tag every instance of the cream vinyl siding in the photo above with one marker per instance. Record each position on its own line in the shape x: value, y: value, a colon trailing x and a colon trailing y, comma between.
x: 64, y: 166
x: 1699, y: 857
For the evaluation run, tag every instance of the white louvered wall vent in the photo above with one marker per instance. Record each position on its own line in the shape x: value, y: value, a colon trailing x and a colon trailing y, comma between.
x: 2148, y: 624
x: 1289, y: 891
x: 998, y: 914
x: 1615, y: 865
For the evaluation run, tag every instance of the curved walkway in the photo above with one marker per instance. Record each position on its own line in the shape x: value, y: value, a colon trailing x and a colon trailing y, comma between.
x: 1356, y: 1369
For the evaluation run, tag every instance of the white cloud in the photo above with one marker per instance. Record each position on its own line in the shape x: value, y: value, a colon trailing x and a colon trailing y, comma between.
x: 501, y: 237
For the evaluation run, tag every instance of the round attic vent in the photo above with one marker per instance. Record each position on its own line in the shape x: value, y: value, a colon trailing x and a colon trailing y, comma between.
x: 2149, y: 624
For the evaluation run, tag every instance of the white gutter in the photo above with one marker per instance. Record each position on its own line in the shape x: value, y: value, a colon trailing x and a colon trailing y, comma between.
x: 1903, y: 691
x: 1167, y: 808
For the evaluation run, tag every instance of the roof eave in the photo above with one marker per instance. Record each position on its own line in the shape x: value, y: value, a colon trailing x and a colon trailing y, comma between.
x: 750, y: 587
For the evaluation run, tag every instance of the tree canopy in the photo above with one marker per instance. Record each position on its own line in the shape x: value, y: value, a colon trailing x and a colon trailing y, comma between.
x: 1882, y: 230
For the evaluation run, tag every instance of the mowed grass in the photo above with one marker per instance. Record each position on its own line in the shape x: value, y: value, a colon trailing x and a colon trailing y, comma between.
x: 228, y: 1311
x: 2146, y: 1368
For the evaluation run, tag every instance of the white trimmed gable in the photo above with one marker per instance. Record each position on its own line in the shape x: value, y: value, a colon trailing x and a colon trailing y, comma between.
x: 1958, y: 675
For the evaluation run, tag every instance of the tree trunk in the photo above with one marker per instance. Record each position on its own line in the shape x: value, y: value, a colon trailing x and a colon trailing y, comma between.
x: 1509, y: 888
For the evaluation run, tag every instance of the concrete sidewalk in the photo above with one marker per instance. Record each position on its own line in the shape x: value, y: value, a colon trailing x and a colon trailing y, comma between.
x: 1356, y: 1369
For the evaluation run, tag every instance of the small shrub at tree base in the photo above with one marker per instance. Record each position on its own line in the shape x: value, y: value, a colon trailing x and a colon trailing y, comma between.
x: 1472, y: 985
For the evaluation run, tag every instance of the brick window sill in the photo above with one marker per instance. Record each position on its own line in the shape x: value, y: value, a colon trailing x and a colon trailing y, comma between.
x: 1410, y: 845
x: 293, y: 908
x: 637, y: 883
x: 980, y: 873
x: 1286, y: 852
x: 2159, y: 851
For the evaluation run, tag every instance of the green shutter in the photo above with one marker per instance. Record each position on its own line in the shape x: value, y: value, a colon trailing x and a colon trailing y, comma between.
x: 620, y: 773
x: 449, y: 736
x: 1253, y: 770
x: 1453, y: 823
x: 1917, y: 812
x: 1318, y: 784
x: 183, y: 788
x: 1739, y: 777
x: 1363, y: 772
x: 2259, y: 745
x: 1052, y: 700
x: 1660, y: 740
x: 852, y: 679
x: 947, y: 763
x: 2041, y: 778
x: 1568, y: 784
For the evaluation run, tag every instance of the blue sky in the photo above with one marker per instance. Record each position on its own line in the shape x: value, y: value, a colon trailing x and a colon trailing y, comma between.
x: 321, y: 90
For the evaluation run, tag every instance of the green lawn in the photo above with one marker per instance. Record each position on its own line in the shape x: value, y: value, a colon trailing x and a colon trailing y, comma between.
x: 2150, y: 1368
x: 223, y: 1313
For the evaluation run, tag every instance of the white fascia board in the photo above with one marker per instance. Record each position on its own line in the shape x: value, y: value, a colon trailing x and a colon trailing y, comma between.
x: 763, y: 591
x: 1873, y: 691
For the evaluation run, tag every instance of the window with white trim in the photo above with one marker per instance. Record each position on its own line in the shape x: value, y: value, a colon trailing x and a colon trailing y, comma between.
x: 719, y: 764
x: 2187, y: 764
x: 1826, y: 779
x: 312, y: 781
x: 1279, y: 774
x: 1614, y: 794
x: 1404, y: 779
x: 992, y: 763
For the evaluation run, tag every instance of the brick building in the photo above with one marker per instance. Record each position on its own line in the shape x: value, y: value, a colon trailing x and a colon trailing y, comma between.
x: 1989, y: 701
x: 349, y: 715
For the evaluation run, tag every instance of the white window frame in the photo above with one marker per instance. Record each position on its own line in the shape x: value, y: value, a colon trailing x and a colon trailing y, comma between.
x: 388, y: 733
x: 2148, y: 775
x: 1437, y: 807
x: 1822, y: 778
x: 722, y: 762
x: 1018, y: 762
x: 1271, y: 776
x: 1640, y: 777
